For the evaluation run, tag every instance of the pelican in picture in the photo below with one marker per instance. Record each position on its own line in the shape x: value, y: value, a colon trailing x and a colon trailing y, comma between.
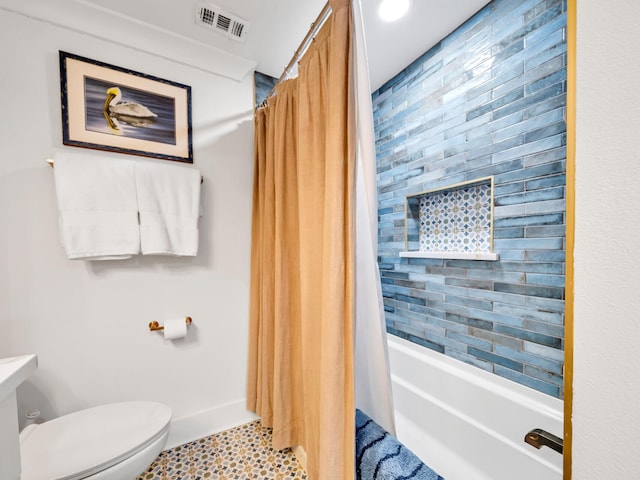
x: 128, y: 112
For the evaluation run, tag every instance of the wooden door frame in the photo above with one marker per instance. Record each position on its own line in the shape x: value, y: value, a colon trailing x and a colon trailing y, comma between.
x: 570, y: 232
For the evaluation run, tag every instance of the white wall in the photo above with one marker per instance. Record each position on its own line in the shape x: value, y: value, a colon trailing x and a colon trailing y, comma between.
x: 87, y: 321
x: 607, y: 250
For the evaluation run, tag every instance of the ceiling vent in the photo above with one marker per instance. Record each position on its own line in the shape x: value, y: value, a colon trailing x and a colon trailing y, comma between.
x: 215, y: 18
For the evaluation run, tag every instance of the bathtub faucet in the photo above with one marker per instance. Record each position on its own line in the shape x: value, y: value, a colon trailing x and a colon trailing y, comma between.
x: 539, y: 438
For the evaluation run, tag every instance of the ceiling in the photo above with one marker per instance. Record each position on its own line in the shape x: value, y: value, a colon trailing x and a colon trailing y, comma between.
x: 278, y: 26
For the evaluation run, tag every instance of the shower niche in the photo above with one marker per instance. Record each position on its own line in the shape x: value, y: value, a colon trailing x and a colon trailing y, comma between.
x: 453, y: 222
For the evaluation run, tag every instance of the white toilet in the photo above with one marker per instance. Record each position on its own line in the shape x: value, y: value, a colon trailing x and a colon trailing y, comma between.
x: 117, y: 441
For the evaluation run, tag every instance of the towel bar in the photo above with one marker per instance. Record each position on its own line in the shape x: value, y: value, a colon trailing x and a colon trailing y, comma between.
x: 155, y: 326
x: 52, y: 162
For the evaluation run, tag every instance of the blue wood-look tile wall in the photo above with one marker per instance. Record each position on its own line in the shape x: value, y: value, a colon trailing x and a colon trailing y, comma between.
x: 263, y: 84
x: 487, y: 100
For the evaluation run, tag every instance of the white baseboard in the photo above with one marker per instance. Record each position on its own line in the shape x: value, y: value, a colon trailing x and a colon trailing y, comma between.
x: 207, y: 422
x: 301, y: 455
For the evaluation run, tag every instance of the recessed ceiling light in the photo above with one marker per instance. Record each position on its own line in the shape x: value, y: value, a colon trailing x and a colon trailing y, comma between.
x: 390, y: 10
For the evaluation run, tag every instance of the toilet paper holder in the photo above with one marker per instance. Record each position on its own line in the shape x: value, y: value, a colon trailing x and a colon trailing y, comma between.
x: 155, y: 326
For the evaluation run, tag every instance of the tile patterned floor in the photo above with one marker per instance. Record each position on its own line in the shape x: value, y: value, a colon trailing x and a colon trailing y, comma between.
x: 242, y: 453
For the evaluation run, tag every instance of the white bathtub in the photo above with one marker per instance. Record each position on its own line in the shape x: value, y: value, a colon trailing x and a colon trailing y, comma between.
x: 468, y: 424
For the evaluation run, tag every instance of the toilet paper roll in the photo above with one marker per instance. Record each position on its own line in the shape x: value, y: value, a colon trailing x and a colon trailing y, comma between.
x: 175, y: 328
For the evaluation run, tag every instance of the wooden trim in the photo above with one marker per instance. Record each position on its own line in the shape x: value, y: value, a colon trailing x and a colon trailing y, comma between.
x: 570, y: 236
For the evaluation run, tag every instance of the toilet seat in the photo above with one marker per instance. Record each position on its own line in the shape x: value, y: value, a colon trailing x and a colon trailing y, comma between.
x: 80, y: 444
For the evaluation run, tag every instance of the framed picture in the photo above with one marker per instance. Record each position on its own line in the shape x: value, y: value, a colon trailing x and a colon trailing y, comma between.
x: 111, y: 108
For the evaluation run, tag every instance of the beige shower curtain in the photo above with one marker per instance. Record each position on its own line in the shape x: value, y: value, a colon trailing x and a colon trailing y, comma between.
x: 300, y: 374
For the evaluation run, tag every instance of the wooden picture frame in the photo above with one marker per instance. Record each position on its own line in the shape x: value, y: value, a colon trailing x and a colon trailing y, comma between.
x: 111, y: 108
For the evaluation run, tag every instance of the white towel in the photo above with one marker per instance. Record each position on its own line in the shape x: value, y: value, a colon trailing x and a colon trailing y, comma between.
x: 169, y: 203
x: 98, y: 207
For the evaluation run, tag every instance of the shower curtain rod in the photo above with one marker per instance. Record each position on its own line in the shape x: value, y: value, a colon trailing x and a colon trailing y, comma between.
x: 313, y: 29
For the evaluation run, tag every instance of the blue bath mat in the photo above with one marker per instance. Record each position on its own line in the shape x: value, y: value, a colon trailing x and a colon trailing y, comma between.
x: 380, y: 456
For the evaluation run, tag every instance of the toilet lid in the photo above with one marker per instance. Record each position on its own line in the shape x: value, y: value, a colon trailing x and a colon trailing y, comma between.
x: 83, y: 443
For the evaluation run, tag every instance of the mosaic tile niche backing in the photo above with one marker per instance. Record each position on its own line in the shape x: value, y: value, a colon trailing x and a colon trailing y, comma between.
x: 456, y: 220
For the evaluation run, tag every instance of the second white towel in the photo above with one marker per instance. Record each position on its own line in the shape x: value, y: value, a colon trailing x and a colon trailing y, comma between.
x: 169, y: 206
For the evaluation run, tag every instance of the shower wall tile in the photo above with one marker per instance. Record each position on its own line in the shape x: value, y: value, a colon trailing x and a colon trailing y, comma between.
x: 263, y: 85
x: 488, y: 100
